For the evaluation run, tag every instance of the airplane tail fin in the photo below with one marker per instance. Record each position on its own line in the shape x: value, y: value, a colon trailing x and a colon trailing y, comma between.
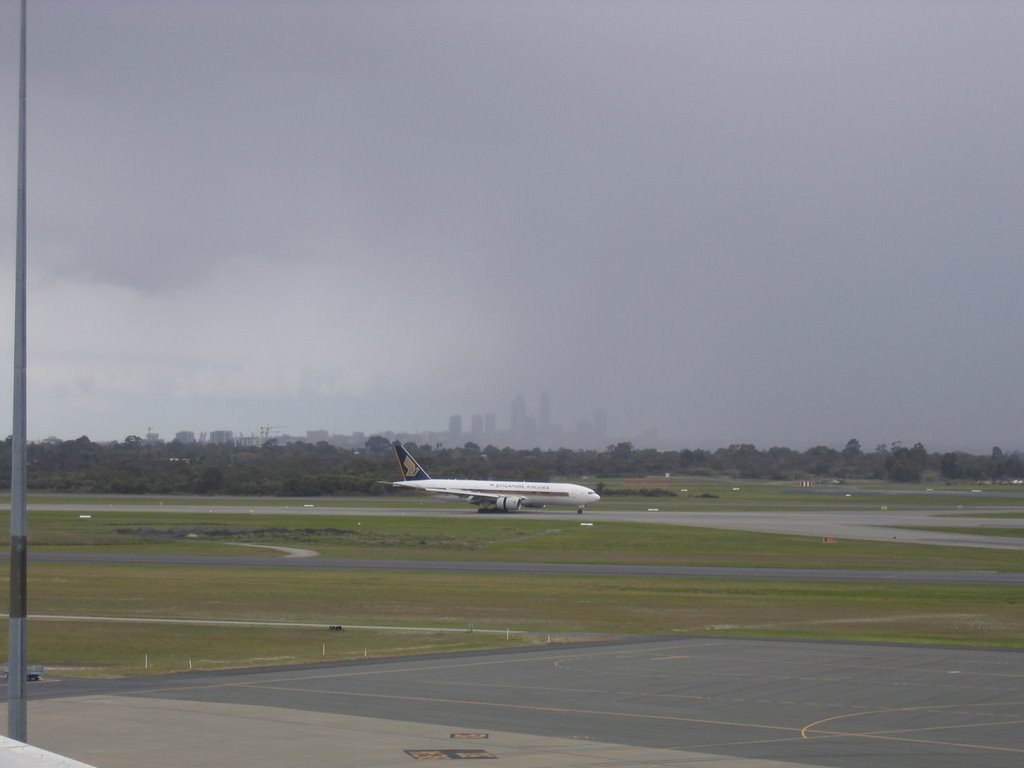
x: 411, y: 470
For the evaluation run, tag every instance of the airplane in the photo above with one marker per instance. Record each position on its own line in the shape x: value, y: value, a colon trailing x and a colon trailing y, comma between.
x: 496, y: 495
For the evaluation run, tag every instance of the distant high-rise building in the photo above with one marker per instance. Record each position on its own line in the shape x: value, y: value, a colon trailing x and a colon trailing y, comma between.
x: 518, y: 415
x: 544, y: 413
x: 317, y: 436
x: 185, y: 438
x: 455, y: 426
x: 522, y: 432
x: 222, y: 437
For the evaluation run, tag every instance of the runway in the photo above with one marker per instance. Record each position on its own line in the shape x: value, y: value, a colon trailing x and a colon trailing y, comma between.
x: 657, y: 702
x: 859, y: 519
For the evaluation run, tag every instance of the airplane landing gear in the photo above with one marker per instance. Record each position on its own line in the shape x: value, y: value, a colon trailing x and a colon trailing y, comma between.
x: 579, y: 511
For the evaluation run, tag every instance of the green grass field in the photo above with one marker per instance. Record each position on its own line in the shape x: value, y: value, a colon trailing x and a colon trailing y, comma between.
x: 484, y: 537
x: 301, y: 604
x: 558, y: 605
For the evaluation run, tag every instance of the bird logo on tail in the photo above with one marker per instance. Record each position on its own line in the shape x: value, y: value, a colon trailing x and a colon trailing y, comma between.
x: 410, y: 469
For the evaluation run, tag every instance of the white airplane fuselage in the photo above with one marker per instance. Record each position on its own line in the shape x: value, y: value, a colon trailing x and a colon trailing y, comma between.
x: 517, y: 493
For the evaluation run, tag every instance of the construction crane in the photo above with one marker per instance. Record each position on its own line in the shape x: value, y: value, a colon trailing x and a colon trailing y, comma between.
x: 265, y: 431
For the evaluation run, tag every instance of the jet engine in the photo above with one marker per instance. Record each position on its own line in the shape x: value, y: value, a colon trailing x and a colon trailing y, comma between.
x: 508, y: 503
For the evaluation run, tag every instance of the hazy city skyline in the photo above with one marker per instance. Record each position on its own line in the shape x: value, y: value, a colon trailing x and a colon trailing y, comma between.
x: 521, y: 429
x: 780, y: 223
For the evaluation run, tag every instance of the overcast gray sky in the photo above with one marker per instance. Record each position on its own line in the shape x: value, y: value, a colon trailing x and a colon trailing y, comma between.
x: 785, y: 223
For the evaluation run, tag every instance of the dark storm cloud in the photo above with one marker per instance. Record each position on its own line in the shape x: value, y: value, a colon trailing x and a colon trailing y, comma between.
x: 785, y: 222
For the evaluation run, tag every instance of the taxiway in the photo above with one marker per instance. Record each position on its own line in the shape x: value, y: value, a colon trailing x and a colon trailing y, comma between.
x: 727, y: 703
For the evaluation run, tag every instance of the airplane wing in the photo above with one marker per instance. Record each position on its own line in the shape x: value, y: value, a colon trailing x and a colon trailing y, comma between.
x: 476, y: 497
x: 509, y: 501
x: 482, y: 498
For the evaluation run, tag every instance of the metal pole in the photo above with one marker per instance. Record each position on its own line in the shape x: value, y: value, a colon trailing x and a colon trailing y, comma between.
x: 17, y: 720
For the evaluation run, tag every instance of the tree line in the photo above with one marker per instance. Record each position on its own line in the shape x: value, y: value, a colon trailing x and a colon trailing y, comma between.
x: 135, y: 466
